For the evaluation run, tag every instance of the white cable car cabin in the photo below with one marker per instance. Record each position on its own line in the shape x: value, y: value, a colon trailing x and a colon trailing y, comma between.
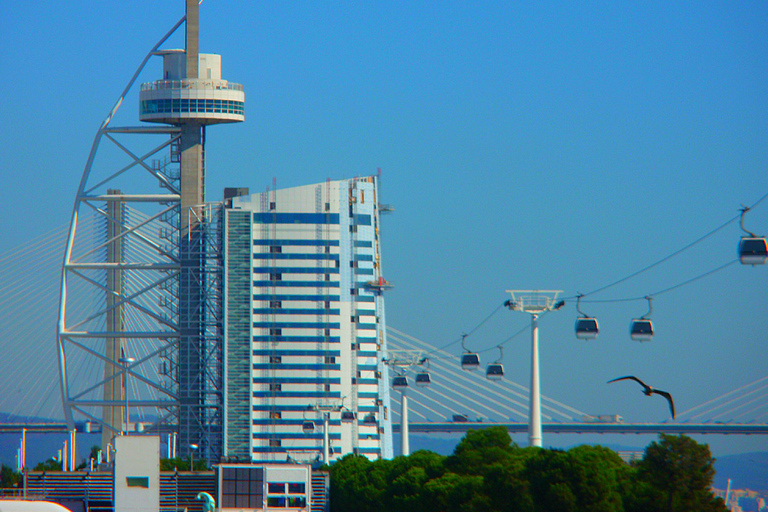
x: 400, y: 382
x: 308, y: 427
x: 753, y: 250
x: 494, y: 371
x: 470, y: 361
x: 586, y: 328
x: 423, y: 379
x: 641, y: 329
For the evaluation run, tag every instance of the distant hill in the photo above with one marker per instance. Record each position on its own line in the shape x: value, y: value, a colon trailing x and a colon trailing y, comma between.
x: 746, y: 471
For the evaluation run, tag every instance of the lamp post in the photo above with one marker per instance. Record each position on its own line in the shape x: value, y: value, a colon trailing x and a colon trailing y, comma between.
x: 125, y: 361
x: 534, y: 302
x: 192, y: 448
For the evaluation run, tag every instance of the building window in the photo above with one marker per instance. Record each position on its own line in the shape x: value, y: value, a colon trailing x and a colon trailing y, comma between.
x: 276, y: 387
x: 275, y: 443
x: 327, y: 277
x: 330, y: 359
x: 327, y: 332
x: 276, y: 332
x: 355, y: 346
x: 327, y: 207
x: 327, y: 387
x: 297, y: 488
x: 353, y: 228
x: 275, y: 359
x: 276, y: 277
x: 275, y: 249
x: 275, y: 304
x: 137, y: 481
x: 327, y: 249
x: 327, y: 306
x: 272, y: 205
x: 352, y: 291
x: 275, y: 415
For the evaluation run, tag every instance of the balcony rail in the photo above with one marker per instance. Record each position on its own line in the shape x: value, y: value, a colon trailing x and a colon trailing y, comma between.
x: 191, y: 83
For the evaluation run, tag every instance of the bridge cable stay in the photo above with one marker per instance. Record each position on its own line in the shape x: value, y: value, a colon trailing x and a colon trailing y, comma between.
x: 458, y: 393
x: 488, y: 388
x: 30, y: 267
x: 398, y: 401
x: 713, y: 400
x: 464, y: 376
x: 489, y: 391
x: 737, y: 399
x: 740, y: 406
x: 456, y: 374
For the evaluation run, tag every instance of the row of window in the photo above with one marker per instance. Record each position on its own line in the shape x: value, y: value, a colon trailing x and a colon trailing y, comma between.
x: 295, y: 218
x: 279, y: 359
x: 307, y: 218
x: 305, y: 242
x: 188, y: 106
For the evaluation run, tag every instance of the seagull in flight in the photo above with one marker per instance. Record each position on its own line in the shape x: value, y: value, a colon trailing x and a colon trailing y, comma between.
x: 648, y: 390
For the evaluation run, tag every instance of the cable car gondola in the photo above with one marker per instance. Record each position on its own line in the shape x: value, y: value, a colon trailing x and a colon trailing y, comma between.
x: 400, y: 382
x: 423, y: 378
x: 641, y: 329
x: 308, y: 427
x: 469, y: 360
x: 495, y: 370
x: 586, y: 326
x: 753, y: 249
x: 347, y: 416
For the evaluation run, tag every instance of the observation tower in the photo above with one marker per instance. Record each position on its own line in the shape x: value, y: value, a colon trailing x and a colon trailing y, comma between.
x: 192, y: 95
x: 141, y: 277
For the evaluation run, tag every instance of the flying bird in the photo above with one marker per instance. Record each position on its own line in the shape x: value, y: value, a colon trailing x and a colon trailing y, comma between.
x: 648, y: 390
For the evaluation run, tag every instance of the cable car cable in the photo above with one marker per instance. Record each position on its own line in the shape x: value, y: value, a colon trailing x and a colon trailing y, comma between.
x: 463, y: 336
x: 672, y: 255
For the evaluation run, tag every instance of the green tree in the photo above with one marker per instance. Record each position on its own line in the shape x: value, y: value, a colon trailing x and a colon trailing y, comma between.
x: 9, y: 477
x: 585, y: 478
x: 406, y: 478
x: 358, y: 484
x: 49, y: 465
x: 675, y: 475
x: 456, y: 493
x: 480, y: 449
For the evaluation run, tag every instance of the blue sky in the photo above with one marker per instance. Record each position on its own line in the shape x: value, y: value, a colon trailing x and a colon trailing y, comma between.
x: 555, y: 145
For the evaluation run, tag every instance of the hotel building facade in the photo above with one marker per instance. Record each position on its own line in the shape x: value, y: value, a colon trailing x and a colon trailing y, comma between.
x: 304, y: 324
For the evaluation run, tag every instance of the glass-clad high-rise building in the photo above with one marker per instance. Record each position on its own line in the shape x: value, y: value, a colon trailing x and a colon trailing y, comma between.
x: 304, y: 324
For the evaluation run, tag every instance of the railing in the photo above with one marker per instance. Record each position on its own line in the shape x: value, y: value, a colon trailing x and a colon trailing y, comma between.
x: 191, y: 83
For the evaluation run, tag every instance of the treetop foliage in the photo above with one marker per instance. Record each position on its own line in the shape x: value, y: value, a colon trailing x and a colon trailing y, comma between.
x: 487, y: 472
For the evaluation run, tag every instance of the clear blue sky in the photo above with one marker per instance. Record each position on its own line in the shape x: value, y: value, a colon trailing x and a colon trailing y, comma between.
x: 554, y: 145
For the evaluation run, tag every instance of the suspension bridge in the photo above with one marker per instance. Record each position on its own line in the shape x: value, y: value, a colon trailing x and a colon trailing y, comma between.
x: 455, y: 401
